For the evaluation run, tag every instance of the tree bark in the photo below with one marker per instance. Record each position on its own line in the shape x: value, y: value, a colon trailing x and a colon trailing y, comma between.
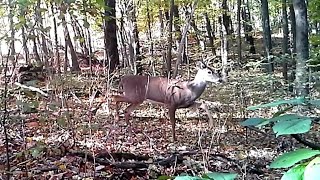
x: 239, y: 29
x: 266, y: 32
x: 302, y: 41
x: 248, y: 30
x: 293, y: 27
x: 110, y: 33
x: 57, y: 55
x: 12, y: 49
x: 184, y: 35
x: 285, y: 40
x: 74, y: 58
x: 169, y: 48
x: 209, y: 32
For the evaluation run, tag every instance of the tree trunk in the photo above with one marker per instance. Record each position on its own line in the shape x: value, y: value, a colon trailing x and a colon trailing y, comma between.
x: 285, y: 40
x: 248, y: 30
x: 239, y: 29
x: 169, y: 48
x: 224, y: 48
x: 74, y: 58
x: 293, y: 27
x: 43, y: 39
x: 57, y: 55
x: 209, y: 32
x: 149, y: 29
x: 137, y: 55
x: 300, y: 10
x: 110, y: 33
x: 12, y: 49
x: 184, y: 35
x: 226, y: 18
x: 266, y: 33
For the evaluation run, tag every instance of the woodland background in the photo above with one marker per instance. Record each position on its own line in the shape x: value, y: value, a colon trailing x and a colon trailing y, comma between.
x: 61, y: 59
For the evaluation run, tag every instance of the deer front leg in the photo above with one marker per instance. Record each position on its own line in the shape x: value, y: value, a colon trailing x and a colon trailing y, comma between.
x: 172, y: 112
x: 203, y: 106
x: 128, y: 111
x: 117, y: 118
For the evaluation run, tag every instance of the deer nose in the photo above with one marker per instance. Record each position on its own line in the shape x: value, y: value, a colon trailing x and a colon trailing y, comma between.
x: 220, y: 80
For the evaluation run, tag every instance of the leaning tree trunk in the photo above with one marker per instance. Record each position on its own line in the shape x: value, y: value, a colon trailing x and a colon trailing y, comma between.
x: 184, y: 35
x: 110, y: 33
x: 285, y: 40
x: 301, y: 80
x: 35, y: 49
x: 177, y: 33
x: 74, y: 58
x: 43, y: 39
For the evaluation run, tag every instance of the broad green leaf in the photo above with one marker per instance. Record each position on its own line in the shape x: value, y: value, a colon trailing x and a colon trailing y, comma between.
x: 292, y: 126
x: 287, y: 117
x: 187, y: 178
x: 290, y: 158
x: 252, y: 122
x: 312, y: 170
x: 295, y: 101
x: 295, y: 173
x: 164, y: 177
x: 315, y: 102
x: 220, y: 176
x: 282, y: 111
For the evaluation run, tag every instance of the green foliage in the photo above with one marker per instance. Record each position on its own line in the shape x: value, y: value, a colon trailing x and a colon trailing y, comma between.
x: 291, y: 158
x: 287, y: 124
x: 295, y: 173
x: 314, y: 61
x: 295, y: 101
x: 313, y: 10
x: 209, y: 176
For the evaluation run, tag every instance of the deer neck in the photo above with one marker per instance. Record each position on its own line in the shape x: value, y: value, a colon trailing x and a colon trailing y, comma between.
x: 197, y: 85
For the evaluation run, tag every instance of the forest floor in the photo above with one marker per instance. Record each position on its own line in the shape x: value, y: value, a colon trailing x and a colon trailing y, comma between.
x: 69, y: 141
x: 48, y: 139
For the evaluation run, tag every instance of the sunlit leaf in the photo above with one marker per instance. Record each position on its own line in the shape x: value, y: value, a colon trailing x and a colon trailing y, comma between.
x: 290, y: 158
x: 295, y: 101
x: 187, y: 178
x: 221, y: 176
x: 292, y: 126
x: 312, y: 170
x: 164, y: 177
x: 295, y: 173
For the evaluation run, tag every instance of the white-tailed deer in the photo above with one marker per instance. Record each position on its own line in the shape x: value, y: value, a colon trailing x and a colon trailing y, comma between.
x: 172, y: 93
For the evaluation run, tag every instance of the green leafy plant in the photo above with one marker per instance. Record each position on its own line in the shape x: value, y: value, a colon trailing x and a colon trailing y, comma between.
x: 207, y: 176
x: 303, y: 163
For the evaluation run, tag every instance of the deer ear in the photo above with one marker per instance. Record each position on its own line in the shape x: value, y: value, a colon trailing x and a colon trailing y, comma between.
x: 201, y: 65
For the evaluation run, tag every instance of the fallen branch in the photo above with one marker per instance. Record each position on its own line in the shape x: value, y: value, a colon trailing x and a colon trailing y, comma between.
x: 31, y: 88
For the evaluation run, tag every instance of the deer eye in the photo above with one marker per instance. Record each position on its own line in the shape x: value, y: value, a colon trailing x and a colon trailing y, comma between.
x: 210, y: 72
